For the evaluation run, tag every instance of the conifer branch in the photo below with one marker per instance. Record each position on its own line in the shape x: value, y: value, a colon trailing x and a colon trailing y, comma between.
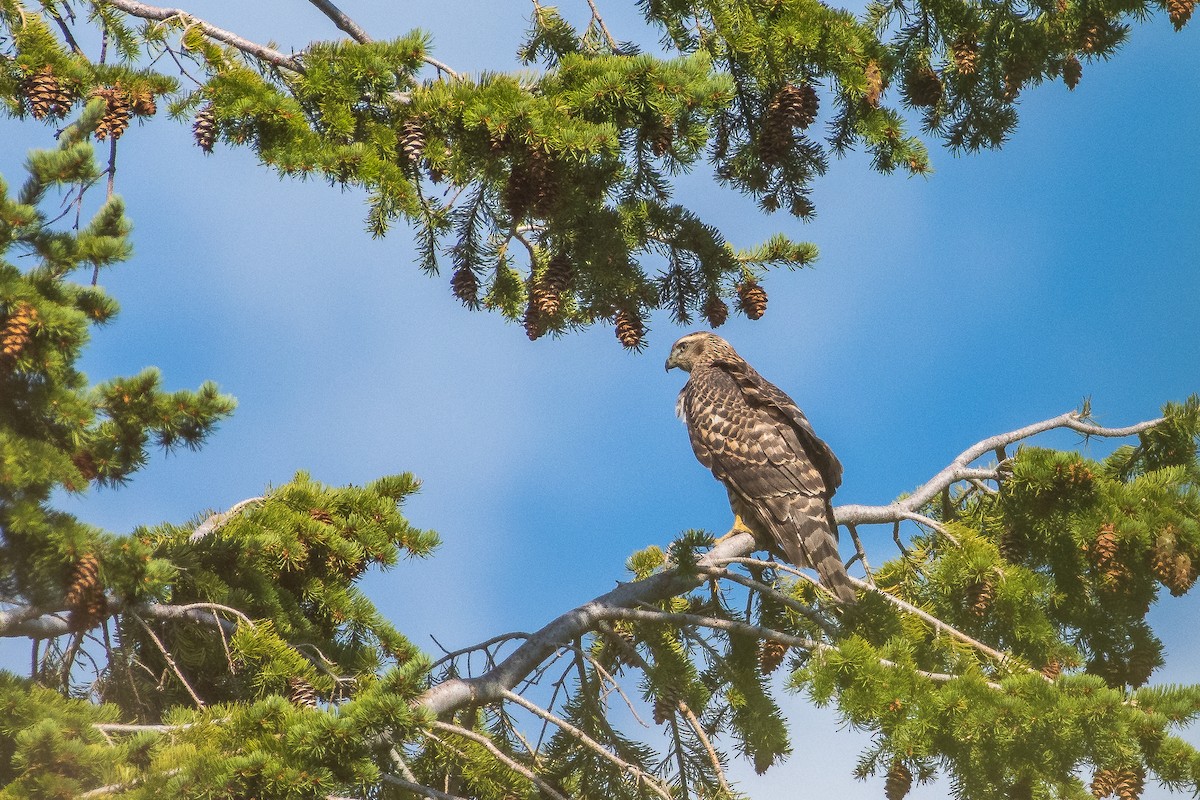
x: 499, y: 755
x: 166, y: 654
x: 259, y: 51
x: 960, y: 468
x: 418, y: 788
x: 698, y: 729
x: 588, y: 741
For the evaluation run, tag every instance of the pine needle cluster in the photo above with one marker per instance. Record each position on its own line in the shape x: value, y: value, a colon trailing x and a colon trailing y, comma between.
x: 495, y: 170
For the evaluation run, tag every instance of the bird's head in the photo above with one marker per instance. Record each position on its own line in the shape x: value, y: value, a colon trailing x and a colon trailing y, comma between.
x: 697, y: 349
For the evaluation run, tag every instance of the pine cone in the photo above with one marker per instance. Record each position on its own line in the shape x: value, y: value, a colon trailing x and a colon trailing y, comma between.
x: 1072, y: 71
x: 86, y: 464
x: 630, y: 330
x: 205, y: 128
x: 661, y: 140
x: 1052, y: 669
x: 1172, y: 567
x: 795, y: 106
x: 1180, y: 11
x: 716, y: 311
x: 465, y: 286
x: 899, y: 781
x: 753, y: 299
x: 1130, y: 783
x: 547, y: 292
x: 534, y: 322
x: 1012, y: 548
x: 45, y: 95
x: 665, y: 704
x: 874, y: 83
x: 1104, y: 552
x: 1104, y: 783
x: 85, y: 595
x: 302, y: 693
x: 321, y: 515
x: 15, y: 334
x: 117, y: 114
x: 770, y: 656
x: 144, y: 104
x: 979, y: 596
x: 531, y: 186
x: 923, y: 86
x: 966, y: 54
x: 412, y: 141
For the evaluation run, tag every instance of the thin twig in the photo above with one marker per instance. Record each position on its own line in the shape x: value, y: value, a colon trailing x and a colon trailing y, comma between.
x: 588, y: 741
x: 170, y: 662
x: 259, y: 51
x: 421, y: 789
x: 704, y: 740
x: 450, y: 655
x: 862, y: 553
x: 499, y: 755
x: 612, y: 43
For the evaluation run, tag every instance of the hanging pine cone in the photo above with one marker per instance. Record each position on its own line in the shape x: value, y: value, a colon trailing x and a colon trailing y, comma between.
x: 85, y: 595
x: 465, y: 286
x: 412, y: 141
x: 716, y: 311
x: 1011, y: 545
x: 1180, y: 11
x: 531, y: 186
x: 118, y: 112
x: 923, y: 86
x: 874, y: 83
x: 205, y: 128
x: 752, y: 298
x: 899, y: 781
x: 1170, y: 566
x: 546, y: 294
x: 45, y: 94
x: 1052, y: 669
x: 770, y: 656
x: 1141, y: 665
x: 661, y: 139
x: 630, y: 330
x: 1072, y: 71
x: 966, y: 54
x: 979, y: 597
x: 301, y: 693
x: 795, y: 106
x: 1104, y: 783
x: 15, y: 334
x: 665, y: 704
x: 1104, y: 551
x: 86, y: 464
x: 143, y: 103
x: 1130, y: 783
x: 534, y: 322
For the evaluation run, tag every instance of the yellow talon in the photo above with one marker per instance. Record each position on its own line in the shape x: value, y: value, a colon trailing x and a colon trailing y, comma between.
x: 738, y: 527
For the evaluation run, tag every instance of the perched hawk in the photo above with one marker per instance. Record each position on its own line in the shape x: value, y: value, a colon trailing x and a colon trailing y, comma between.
x: 779, y: 475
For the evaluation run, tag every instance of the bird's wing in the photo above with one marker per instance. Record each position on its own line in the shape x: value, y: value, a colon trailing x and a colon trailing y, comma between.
x: 753, y: 449
x: 795, y: 427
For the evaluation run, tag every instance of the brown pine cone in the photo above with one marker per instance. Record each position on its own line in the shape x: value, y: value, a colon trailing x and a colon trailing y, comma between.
x: 630, y: 330
x: 966, y: 54
x: 412, y: 141
x: 15, y: 335
x: 302, y: 693
x: 716, y: 311
x: 205, y: 128
x: 85, y: 595
x: 1180, y: 11
x: 899, y: 781
x: 465, y: 286
x: 770, y: 656
x: 753, y: 299
x: 46, y: 96
x: 119, y: 110
x: 1072, y: 71
x: 923, y: 86
x: 979, y: 596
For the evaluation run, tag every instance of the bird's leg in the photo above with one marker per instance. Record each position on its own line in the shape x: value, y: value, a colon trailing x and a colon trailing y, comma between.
x: 738, y: 527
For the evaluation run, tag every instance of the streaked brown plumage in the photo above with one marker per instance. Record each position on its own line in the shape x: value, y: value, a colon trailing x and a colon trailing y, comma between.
x: 779, y: 475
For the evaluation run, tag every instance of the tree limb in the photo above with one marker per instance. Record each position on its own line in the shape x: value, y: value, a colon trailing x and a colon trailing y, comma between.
x: 267, y: 54
x: 343, y: 21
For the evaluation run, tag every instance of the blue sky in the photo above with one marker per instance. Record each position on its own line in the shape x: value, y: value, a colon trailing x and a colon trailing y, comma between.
x: 1000, y: 291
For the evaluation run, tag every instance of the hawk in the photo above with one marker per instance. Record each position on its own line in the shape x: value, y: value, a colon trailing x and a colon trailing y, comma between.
x: 779, y: 475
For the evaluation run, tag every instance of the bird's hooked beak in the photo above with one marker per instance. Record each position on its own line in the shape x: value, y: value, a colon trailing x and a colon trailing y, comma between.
x: 671, y: 362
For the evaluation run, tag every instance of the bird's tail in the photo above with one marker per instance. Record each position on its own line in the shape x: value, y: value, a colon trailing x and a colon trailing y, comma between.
x: 816, y: 546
